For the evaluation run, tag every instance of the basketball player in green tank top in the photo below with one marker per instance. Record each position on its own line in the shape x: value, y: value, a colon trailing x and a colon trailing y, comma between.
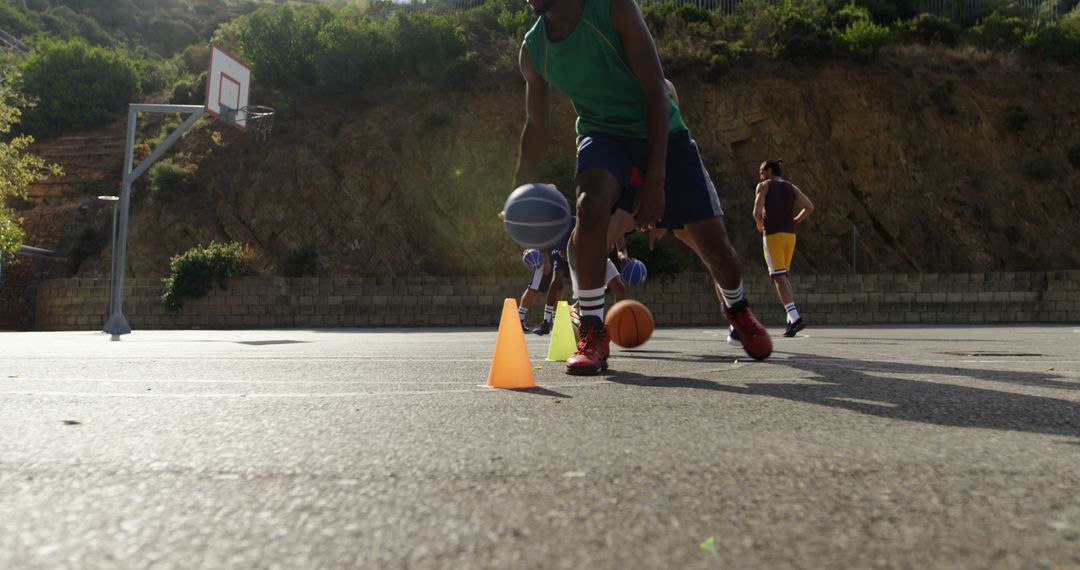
x: 601, y: 55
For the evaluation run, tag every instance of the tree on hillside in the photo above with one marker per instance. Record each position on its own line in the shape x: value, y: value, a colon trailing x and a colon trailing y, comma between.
x: 75, y: 85
x: 19, y: 170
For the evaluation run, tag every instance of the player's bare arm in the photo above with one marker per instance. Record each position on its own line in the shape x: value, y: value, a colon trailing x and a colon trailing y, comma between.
x: 671, y: 89
x: 803, y: 205
x: 537, y: 134
x: 644, y: 62
x: 759, y: 205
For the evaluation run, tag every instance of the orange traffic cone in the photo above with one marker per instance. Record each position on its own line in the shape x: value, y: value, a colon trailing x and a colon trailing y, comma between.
x: 510, y: 368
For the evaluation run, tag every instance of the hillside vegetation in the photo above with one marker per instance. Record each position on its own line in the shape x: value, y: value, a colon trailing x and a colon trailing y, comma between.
x: 396, y: 136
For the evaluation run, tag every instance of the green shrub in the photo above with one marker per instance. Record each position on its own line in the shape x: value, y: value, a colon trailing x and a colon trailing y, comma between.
x: 864, y: 39
x: 64, y: 23
x: 661, y: 262
x: 843, y: 18
x: 1041, y: 168
x: 1054, y: 39
x: 155, y: 75
x: 1074, y: 156
x: 1017, y: 116
x: 351, y: 57
x: 461, y: 73
x: 678, y: 56
x: 167, y: 35
x: 281, y: 43
x: 930, y: 29
x: 191, y: 91
x: 301, y: 261
x: 15, y: 21
x: 722, y: 56
x: 800, y: 31
x: 1002, y: 30
x: 290, y: 46
x: 169, y: 179
x: 75, y: 86
x: 193, y: 272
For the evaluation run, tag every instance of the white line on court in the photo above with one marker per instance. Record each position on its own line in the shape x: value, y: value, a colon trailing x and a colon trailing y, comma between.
x: 210, y: 381
x: 269, y: 395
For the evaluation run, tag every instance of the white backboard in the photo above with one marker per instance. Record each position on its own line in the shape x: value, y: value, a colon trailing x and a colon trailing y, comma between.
x: 227, y: 85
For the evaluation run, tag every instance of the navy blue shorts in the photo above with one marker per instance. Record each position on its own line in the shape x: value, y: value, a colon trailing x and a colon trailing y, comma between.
x: 558, y: 263
x: 540, y: 282
x: 689, y: 193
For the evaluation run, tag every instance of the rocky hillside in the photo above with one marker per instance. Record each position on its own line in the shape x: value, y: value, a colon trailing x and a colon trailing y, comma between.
x: 941, y: 161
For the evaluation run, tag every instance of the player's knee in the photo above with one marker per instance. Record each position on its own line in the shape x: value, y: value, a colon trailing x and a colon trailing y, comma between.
x: 592, y: 210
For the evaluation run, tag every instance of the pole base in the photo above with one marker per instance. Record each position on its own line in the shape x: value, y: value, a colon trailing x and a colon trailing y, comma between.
x: 117, y: 325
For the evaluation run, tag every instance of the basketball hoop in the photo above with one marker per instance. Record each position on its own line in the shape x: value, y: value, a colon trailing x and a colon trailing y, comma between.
x: 259, y: 119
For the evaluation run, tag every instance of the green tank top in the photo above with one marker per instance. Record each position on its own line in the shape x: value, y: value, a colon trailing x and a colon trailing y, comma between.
x: 590, y: 67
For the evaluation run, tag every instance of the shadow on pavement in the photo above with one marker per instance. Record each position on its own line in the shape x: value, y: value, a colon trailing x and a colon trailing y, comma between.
x: 853, y: 385
x: 541, y: 391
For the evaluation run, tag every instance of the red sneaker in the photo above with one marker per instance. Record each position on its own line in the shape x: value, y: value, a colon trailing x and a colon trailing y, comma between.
x: 592, y: 352
x: 755, y: 339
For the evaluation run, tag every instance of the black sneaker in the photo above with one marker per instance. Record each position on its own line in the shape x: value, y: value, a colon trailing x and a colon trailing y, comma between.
x: 794, y: 327
x: 733, y: 337
x: 543, y: 328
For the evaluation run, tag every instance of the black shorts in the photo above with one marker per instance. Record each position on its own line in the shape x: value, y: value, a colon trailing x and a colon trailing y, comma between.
x: 689, y: 193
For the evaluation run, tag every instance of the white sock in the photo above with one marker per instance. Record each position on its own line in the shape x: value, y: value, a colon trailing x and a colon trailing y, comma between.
x: 792, y: 312
x: 733, y: 296
x: 549, y: 313
x: 522, y: 312
x: 592, y: 303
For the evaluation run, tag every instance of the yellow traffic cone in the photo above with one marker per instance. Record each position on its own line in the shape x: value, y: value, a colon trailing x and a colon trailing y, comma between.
x: 563, y: 339
x: 510, y: 367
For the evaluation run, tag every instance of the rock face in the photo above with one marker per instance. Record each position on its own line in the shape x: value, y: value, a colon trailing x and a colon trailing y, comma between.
x: 919, y: 154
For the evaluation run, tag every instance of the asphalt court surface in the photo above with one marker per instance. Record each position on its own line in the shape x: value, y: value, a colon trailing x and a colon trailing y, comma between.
x: 858, y: 447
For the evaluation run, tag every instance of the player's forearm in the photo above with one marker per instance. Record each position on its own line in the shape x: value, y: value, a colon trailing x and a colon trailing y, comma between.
x: 534, y: 142
x: 656, y: 123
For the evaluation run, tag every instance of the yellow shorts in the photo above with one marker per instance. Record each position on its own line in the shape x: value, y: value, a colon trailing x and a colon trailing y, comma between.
x: 779, y: 249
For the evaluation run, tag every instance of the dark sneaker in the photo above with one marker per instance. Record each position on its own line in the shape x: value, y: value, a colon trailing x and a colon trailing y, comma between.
x: 543, y: 328
x: 755, y: 339
x: 592, y: 352
x: 794, y: 327
x: 733, y: 337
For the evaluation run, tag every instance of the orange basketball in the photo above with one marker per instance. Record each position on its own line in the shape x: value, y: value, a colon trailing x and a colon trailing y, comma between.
x: 629, y: 323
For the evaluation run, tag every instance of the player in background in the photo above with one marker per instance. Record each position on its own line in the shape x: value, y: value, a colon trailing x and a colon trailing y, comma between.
x: 560, y: 268
x: 775, y: 201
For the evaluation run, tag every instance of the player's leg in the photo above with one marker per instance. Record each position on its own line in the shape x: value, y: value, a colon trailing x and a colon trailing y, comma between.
x: 527, y: 298
x: 684, y: 236
x: 523, y: 308
x: 558, y: 270
x: 598, y: 190
x: 614, y: 281
x: 692, y: 203
x: 779, y: 249
x: 603, y: 171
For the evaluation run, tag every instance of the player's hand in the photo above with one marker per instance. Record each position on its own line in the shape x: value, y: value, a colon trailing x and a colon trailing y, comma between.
x: 654, y: 235
x: 649, y: 204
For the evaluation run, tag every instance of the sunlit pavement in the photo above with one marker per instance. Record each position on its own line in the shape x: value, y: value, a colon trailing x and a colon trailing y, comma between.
x: 907, y: 447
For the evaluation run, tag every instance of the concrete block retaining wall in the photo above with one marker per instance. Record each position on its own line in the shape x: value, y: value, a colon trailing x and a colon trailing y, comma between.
x: 266, y: 302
